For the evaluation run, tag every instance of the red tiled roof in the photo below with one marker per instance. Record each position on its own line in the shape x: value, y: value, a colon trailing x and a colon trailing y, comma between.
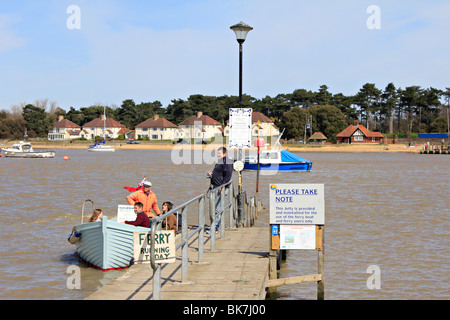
x: 258, y: 116
x: 99, y: 123
x: 73, y: 132
x: 65, y: 123
x: 350, y: 130
x: 124, y: 131
x: 204, y: 119
x: 156, y: 123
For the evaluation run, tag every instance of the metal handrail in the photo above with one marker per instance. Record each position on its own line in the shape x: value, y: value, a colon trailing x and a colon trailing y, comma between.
x: 185, y: 236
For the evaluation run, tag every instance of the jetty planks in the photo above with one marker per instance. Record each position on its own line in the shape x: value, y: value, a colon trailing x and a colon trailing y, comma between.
x: 236, y: 270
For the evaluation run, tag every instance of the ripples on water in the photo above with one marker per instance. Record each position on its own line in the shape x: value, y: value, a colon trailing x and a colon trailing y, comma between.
x: 389, y: 210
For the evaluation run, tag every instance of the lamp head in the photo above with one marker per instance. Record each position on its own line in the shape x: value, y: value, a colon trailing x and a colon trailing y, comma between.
x: 241, y: 29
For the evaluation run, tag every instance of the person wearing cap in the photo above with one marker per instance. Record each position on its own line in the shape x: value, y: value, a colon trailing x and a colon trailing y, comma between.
x: 147, y: 198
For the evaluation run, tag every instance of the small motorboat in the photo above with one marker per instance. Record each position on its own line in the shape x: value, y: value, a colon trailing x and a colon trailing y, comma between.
x: 98, y: 146
x: 25, y: 150
x: 277, y: 159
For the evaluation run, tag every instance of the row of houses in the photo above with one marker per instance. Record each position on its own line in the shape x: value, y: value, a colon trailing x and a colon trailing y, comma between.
x: 199, y: 126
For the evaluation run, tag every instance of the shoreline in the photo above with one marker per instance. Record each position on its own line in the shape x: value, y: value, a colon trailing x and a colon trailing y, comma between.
x: 293, y: 148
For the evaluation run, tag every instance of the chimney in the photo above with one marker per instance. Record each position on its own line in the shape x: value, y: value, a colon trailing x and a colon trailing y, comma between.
x: 156, y: 117
x: 199, y: 114
x: 60, y: 117
x: 102, y: 117
x: 356, y: 123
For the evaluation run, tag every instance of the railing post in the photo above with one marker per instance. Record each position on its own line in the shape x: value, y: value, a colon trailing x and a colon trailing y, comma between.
x: 184, y: 249
x: 155, y: 266
x: 231, y: 203
x: 201, y: 223
x: 223, y: 192
x: 212, y: 215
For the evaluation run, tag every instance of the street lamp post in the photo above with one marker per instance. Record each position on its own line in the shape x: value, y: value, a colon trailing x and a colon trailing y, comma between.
x: 240, y: 29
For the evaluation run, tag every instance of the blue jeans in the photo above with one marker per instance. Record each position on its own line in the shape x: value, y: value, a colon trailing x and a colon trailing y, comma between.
x: 218, y: 211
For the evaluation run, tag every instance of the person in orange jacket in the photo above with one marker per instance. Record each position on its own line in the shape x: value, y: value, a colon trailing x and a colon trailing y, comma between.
x: 147, y: 198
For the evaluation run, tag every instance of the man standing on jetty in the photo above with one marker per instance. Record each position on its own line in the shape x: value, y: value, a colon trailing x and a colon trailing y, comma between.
x: 221, y: 174
x: 147, y: 198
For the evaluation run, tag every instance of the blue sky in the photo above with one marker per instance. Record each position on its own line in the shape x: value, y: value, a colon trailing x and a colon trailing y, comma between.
x: 164, y: 50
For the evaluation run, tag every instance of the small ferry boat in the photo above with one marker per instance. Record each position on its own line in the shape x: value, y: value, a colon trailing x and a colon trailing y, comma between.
x: 106, y: 244
x: 25, y: 150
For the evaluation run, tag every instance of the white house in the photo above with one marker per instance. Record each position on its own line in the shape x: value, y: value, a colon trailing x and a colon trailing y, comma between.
x: 200, y: 126
x: 156, y: 128
x: 65, y: 129
x: 103, y: 127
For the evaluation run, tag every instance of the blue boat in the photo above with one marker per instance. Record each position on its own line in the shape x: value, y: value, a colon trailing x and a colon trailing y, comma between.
x: 277, y: 160
x: 106, y: 244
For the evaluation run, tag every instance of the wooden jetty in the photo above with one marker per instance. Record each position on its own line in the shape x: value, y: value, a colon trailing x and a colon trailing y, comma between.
x: 238, y: 269
x: 435, y: 151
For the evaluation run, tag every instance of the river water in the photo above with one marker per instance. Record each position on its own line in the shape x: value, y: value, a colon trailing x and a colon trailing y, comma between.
x: 388, y: 210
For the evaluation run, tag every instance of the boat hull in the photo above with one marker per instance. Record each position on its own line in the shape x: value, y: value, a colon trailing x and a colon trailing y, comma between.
x: 102, y: 149
x: 293, y: 166
x: 107, y: 244
x: 14, y: 154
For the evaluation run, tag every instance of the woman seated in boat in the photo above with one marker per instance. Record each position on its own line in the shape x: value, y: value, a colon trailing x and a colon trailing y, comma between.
x: 170, y: 223
x: 97, y: 215
x: 142, y: 220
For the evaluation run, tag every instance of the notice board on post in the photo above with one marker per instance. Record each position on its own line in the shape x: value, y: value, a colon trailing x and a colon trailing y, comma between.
x: 297, y: 214
x: 240, y: 128
x: 297, y: 204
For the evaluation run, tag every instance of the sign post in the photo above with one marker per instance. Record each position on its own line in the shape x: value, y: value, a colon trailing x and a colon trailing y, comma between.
x: 240, y: 137
x: 297, y: 218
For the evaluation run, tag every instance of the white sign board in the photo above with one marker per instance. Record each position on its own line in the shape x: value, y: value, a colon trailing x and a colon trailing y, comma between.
x: 297, y: 204
x: 125, y: 213
x: 298, y: 237
x: 240, y: 128
x: 164, y: 246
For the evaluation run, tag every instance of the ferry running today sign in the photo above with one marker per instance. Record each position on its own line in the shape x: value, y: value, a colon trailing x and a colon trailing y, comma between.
x: 297, y: 204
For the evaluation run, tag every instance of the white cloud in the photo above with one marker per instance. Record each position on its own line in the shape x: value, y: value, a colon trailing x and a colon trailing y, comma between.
x: 8, y: 39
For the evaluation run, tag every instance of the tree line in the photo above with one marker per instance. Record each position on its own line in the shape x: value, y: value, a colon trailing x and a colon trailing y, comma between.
x: 390, y: 110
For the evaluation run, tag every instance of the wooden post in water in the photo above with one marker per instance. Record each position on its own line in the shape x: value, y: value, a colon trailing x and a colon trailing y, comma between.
x: 321, y: 262
x: 275, y: 242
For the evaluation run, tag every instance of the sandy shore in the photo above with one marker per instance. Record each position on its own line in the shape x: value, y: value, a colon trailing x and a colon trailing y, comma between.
x: 292, y: 148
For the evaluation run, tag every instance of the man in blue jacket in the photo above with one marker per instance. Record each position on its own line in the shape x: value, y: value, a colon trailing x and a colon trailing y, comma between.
x: 221, y: 174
